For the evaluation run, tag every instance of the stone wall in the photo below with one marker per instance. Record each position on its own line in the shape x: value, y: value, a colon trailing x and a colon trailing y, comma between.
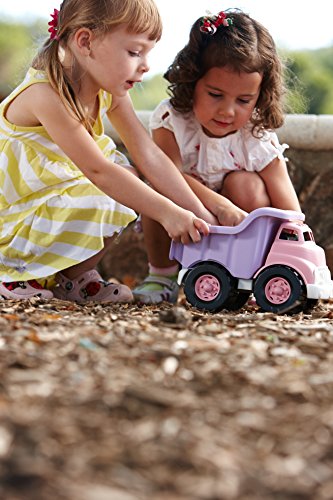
x: 310, y: 138
x: 310, y: 163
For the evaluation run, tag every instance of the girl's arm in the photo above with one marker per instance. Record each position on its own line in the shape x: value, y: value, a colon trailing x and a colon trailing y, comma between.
x: 150, y: 159
x: 115, y: 181
x: 279, y: 186
x: 224, y: 210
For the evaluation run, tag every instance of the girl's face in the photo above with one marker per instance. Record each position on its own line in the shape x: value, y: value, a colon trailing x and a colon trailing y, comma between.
x: 114, y: 62
x: 224, y: 100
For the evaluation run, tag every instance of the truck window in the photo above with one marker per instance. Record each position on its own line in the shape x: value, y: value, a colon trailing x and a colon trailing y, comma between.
x: 308, y: 236
x: 288, y: 234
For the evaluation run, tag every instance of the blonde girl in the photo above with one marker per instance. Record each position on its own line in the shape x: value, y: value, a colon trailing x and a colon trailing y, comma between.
x: 65, y: 190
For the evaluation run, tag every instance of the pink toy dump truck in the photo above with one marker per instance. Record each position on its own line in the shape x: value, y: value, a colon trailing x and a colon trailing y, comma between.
x: 271, y: 254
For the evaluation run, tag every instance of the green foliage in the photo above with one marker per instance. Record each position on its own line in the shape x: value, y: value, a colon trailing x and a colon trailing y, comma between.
x: 149, y: 93
x: 314, y: 70
x: 309, y: 74
x: 295, y: 100
x: 17, y: 47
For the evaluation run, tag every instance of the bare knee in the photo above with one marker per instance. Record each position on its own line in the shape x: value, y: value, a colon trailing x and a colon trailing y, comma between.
x: 246, y: 190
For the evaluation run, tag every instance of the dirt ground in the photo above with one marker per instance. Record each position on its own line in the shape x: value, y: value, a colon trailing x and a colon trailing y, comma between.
x: 164, y: 403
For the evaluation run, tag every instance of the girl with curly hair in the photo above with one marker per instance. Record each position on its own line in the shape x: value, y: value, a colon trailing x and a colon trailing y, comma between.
x: 226, y: 88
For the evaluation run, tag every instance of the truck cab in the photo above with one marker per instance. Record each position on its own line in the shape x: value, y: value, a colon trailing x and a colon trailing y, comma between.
x: 294, y: 247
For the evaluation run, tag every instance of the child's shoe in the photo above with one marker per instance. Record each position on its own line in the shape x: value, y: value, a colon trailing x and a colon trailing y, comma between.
x: 19, y: 290
x: 156, y: 288
x: 90, y: 287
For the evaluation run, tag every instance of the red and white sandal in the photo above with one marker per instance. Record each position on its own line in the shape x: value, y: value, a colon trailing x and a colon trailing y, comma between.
x: 90, y: 287
x: 19, y: 290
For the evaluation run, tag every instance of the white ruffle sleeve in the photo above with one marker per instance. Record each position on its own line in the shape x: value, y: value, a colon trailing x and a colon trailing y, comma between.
x: 259, y: 152
x: 161, y: 117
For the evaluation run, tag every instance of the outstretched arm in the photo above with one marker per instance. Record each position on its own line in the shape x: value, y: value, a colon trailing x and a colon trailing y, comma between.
x: 227, y: 213
x: 151, y: 160
x: 74, y: 140
x: 223, y: 209
x: 279, y: 186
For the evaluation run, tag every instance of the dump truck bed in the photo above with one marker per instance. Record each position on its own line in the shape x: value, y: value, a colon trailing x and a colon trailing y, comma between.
x: 241, y: 249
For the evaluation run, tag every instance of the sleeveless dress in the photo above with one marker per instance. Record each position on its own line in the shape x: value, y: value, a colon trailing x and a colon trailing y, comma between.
x: 51, y: 215
x: 210, y: 159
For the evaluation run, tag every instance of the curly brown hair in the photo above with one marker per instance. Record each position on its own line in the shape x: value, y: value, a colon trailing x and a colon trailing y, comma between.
x: 244, y: 46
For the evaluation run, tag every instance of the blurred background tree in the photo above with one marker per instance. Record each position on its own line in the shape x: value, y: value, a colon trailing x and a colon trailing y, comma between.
x: 309, y: 73
x: 16, y: 51
x: 314, y: 69
x: 149, y: 93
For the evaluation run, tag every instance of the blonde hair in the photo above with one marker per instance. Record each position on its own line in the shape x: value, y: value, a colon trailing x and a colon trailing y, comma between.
x: 100, y: 16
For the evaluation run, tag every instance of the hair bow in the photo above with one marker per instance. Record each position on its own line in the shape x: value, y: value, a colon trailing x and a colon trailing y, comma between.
x: 54, y: 25
x: 210, y: 23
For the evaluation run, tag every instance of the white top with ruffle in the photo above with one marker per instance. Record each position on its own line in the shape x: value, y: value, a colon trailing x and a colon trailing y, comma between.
x: 209, y: 159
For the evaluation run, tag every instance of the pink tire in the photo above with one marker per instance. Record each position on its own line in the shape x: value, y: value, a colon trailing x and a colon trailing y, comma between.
x: 207, y: 287
x: 278, y: 290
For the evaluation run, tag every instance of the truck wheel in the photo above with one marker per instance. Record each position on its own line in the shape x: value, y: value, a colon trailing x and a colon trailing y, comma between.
x: 207, y: 286
x: 280, y: 289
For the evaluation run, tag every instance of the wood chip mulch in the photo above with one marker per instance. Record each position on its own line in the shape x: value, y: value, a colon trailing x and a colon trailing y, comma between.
x: 165, y: 403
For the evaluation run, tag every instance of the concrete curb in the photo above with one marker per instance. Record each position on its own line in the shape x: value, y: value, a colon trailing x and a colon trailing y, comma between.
x: 306, y: 132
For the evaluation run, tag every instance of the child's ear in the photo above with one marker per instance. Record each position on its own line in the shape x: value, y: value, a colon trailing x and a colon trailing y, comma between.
x: 83, y: 38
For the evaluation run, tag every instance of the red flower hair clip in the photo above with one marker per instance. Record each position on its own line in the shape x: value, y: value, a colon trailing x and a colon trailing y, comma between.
x: 54, y: 25
x: 210, y: 23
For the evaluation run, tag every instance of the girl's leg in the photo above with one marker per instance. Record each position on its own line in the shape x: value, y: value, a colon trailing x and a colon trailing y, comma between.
x: 161, y: 282
x: 246, y: 190
x: 82, y: 283
x: 157, y: 243
x: 75, y: 271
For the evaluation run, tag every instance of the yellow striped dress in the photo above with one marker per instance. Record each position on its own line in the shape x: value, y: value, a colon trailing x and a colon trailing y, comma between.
x: 51, y: 216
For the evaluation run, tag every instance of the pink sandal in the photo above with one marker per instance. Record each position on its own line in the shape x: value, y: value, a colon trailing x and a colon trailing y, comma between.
x: 90, y: 287
x: 19, y: 290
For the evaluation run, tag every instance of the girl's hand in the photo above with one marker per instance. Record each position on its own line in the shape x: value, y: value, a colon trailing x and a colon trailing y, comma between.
x: 230, y: 214
x: 182, y: 225
x: 207, y: 216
